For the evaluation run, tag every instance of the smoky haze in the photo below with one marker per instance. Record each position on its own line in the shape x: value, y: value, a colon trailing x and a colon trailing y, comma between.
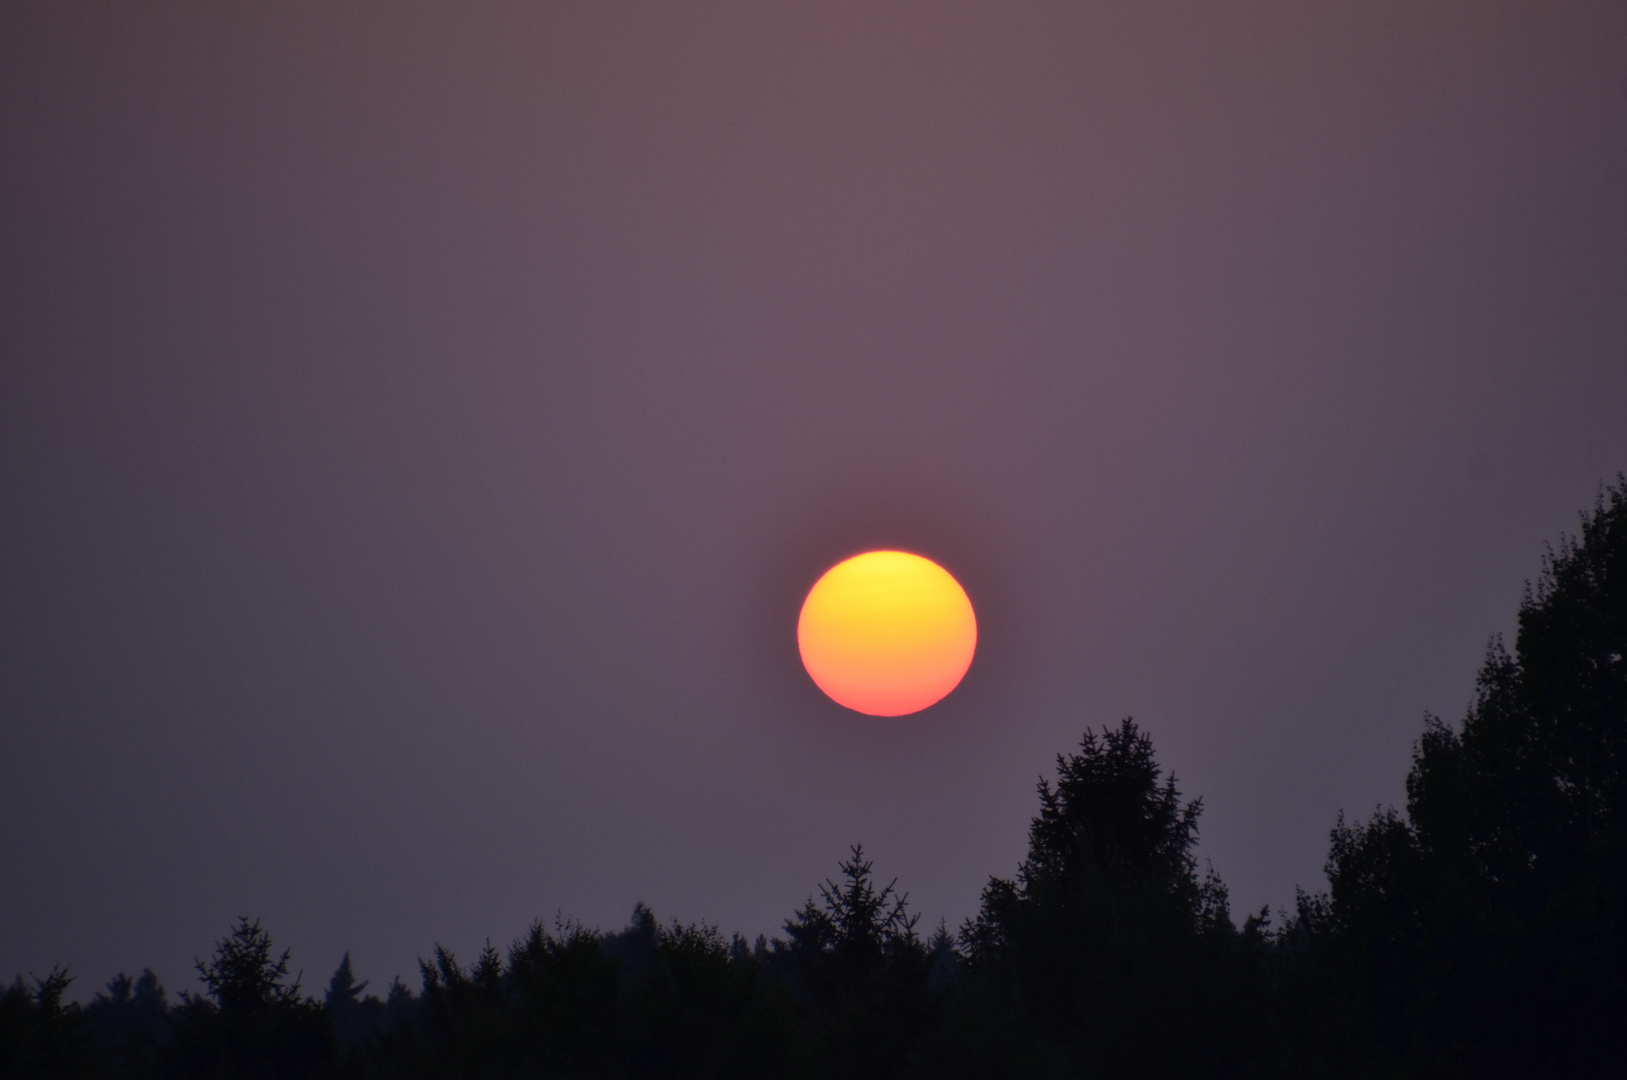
x: 419, y: 427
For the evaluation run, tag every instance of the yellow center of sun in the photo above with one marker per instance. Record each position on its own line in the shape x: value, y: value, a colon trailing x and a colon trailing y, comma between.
x: 887, y: 633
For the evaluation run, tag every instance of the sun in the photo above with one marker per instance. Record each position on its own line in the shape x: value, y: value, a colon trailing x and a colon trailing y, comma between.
x: 887, y: 633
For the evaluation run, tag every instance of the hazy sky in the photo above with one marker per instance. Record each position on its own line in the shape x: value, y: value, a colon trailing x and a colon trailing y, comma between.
x: 419, y: 425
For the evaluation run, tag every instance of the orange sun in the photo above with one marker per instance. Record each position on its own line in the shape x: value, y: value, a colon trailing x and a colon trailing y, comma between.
x: 887, y: 633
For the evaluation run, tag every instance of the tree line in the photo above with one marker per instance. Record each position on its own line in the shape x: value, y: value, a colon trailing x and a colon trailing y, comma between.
x: 1481, y: 932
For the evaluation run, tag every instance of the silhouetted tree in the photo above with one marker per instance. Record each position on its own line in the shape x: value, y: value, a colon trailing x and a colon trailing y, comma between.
x: 860, y: 974
x: 353, y: 1017
x: 400, y: 1005
x: 130, y: 1009
x: 647, y: 1001
x: 39, y: 1035
x: 128, y: 1023
x: 1485, y: 933
x: 251, y: 1021
x: 1094, y: 958
x: 549, y: 1010
x: 1482, y: 933
x: 943, y: 958
x: 699, y: 1008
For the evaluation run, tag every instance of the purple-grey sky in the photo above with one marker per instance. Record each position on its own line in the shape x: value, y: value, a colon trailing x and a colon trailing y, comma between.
x: 419, y: 424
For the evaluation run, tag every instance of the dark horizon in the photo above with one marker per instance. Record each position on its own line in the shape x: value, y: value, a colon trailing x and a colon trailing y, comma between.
x: 1480, y: 931
x: 418, y: 429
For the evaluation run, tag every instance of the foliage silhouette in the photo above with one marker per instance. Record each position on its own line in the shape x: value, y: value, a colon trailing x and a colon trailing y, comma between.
x: 250, y: 1022
x: 1107, y: 931
x: 1482, y: 932
x: 1485, y: 933
x: 130, y: 1022
x: 39, y: 1036
x: 353, y: 1017
x: 652, y: 1000
x: 859, y: 973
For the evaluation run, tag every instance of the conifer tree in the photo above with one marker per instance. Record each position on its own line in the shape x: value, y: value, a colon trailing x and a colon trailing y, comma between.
x: 859, y: 973
x: 40, y: 1036
x: 1485, y: 932
x: 1083, y: 959
x: 251, y: 1022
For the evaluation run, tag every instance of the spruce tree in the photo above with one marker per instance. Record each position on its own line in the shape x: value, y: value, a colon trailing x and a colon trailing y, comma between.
x: 1485, y: 932
x: 1083, y: 963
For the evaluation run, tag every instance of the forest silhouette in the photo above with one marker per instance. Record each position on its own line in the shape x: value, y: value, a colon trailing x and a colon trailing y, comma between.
x: 1477, y: 933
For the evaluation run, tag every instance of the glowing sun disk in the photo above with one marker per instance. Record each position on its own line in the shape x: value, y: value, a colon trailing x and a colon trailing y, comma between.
x: 887, y: 633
